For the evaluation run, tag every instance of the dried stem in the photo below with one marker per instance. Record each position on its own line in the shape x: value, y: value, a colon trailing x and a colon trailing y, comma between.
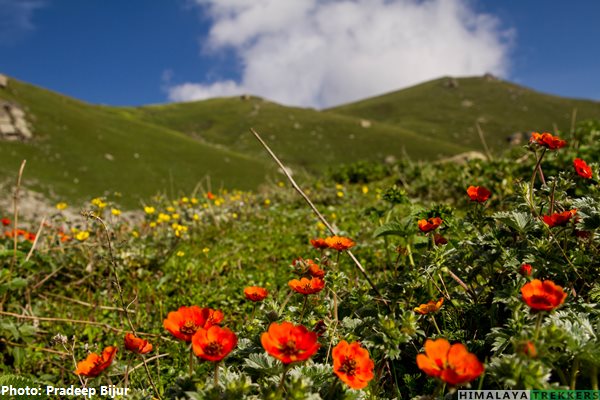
x: 16, y: 213
x: 315, y: 210
x: 35, y: 241
x: 488, y: 154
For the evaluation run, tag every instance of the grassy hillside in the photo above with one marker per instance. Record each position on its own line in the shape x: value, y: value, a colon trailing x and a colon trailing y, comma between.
x: 302, y: 137
x: 81, y: 150
x: 444, y: 111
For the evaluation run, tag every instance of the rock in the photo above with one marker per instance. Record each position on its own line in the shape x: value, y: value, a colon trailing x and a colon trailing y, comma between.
x: 451, y: 83
x: 463, y: 158
x: 109, y: 157
x: 466, y: 103
x: 489, y: 77
x: 515, y: 139
x: 365, y: 123
x: 3, y: 81
x: 7, y: 129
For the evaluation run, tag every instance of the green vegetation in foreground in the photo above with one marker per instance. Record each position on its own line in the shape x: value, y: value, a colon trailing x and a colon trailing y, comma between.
x: 68, y: 157
x: 440, y: 110
x: 236, y: 239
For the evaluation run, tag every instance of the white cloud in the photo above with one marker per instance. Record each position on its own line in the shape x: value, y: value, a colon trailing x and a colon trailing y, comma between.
x: 16, y: 19
x: 326, y: 52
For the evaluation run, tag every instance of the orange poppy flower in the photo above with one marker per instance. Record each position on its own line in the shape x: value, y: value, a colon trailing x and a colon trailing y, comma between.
x: 526, y: 270
x: 319, y: 243
x: 528, y: 348
x: 214, y: 343
x: 136, y: 344
x: 314, y: 270
x: 428, y: 225
x: 451, y: 363
x: 289, y: 343
x: 547, y: 140
x: 255, y: 293
x: 543, y: 295
x: 184, y: 322
x: 339, y: 243
x: 306, y: 286
x: 430, y: 307
x: 559, y: 219
x: 5, y: 221
x: 478, y: 193
x: 352, y: 364
x: 582, y: 169
x: 94, y: 364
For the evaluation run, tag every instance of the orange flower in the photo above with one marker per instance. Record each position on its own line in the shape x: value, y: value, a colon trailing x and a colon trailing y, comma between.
x: 314, y: 270
x: 428, y: 225
x: 184, y: 322
x: 5, y: 221
x: 305, y: 286
x: 543, y: 295
x: 94, y: 364
x: 136, y: 344
x: 478, y: 193
x: 559, y: 219
x: 289, y: 343
x: 526, y: 270
x: 214, y: 343
x: 352, y: 364
x: 547, y: 140
x: 451, y: 363
x: 319, y: 243
x: 582, y: 169
x: 255, y: 293
x: 339, y: 243
x: 210, y: 196
x: 430, y: 307
x: 528, y: 348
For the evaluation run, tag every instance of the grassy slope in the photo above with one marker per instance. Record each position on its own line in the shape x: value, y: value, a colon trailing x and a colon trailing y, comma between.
x: 302, y: 137
x: 438, y: 111
x: 72, y: 139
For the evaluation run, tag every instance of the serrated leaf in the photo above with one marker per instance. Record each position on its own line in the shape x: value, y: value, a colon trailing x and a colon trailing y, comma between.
x: 519, y: 221
x: 391, y: 228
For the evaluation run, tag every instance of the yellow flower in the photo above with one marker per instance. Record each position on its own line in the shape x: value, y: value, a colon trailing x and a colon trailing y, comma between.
x: 333, y: 216
x: 340, y: 194
x: 153, y: 224
x: 175, y: 216
x: 180, y: 253
x: 171, y: 209
x: 365, y: 189
x: 280, y: 184
x: 163, y: 218
x: 98, y: 202
x: 205, y: 250
x: 115, y: 211
x: 234, y: 215
x: 185, y: 200
x: 194, y: 200
x: 149, y: 210
x: 82, y: 236
x: 338, y: 186
x: 321, y: 226
x: 196, y: 217
x: 135, y: 234
x: 61, y: 206
x: 267, y: 202
x: 219, y: 201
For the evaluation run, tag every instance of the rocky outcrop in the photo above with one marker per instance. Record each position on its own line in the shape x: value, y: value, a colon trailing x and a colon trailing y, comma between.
x: 13, y: 123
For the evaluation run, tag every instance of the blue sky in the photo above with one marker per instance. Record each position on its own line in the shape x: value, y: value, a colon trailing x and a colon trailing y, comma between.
x: 314, y: 53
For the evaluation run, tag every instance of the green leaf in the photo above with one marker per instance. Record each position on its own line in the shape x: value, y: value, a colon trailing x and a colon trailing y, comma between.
x: 391, y: 228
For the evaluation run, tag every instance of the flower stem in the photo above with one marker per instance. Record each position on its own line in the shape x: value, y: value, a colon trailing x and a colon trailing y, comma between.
x: 216, y: 374
x: 594, y: 377
x: 437, y: 328
x: 574, y: 372
x: 253, y: 312
x: 538, y: 325
x: 303, y: 307
x: 286, y: 368
x: 532, y: 183
x: 191, y: 361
